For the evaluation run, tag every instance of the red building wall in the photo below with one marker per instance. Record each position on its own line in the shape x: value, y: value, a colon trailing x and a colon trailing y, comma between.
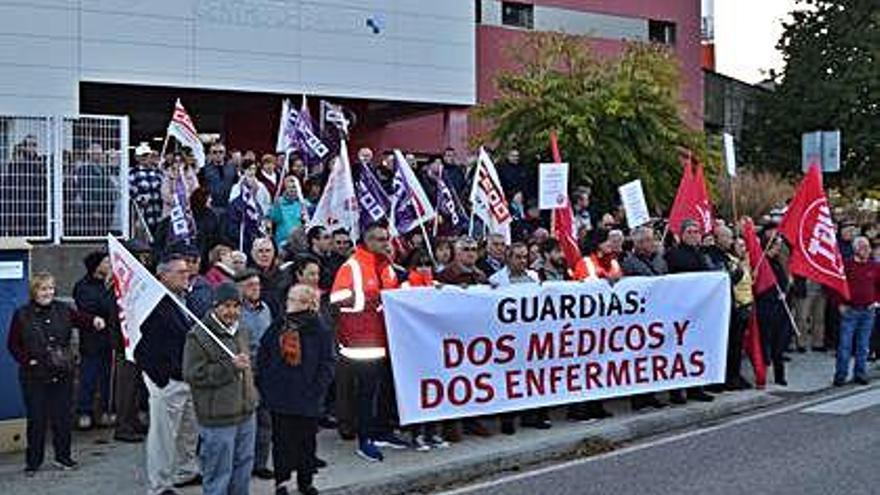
x: 433, y: 133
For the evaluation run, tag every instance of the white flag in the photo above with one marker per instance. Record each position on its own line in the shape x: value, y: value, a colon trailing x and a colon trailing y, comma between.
x: 137, y: 293
x: 338, y: 206
x: 182, y: 129
x: 285, y: 143
x: 487, y: 197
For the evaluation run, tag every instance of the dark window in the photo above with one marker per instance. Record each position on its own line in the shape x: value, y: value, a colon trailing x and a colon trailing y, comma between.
x: 516, y: 14
x: 661, y: 32
x: 478, y: 9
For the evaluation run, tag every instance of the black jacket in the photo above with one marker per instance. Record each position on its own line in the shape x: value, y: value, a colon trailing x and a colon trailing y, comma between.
x: 163, y: 335
x: 684, y: 258
x: 95, y: 297
x: 296, y: 389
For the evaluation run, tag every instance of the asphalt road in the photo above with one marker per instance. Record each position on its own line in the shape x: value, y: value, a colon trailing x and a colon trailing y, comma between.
x: 829, y: 446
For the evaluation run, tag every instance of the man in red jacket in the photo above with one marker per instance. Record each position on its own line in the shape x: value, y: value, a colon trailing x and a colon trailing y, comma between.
x: 361, y: 333
x: 857, y: 313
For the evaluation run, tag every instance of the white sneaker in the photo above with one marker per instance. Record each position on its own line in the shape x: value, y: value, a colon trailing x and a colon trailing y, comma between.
x: 421, y: 444
x: 438, y: 442
x: 107, y: 420
x: 84, y: 422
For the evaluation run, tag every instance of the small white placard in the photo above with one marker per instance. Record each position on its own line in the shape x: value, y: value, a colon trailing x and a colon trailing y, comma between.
x: 552, y: 186
x: 634, y: 204
x: 729, y: 155
x: 11, y: 270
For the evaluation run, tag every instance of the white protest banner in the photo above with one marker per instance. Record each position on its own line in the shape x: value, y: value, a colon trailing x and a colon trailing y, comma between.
x: 552, y: 185
x: 729, y: 154
x: 479, y: 351
x: 634, y: 204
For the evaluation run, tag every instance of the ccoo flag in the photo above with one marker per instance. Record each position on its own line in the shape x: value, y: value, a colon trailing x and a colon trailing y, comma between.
x: 338, y: 206
x: 809, y: 229
x: 137, y: 293
x: 487, y: 197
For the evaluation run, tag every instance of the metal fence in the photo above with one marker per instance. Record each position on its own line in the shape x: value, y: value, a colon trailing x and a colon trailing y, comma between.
x: 63, y: 178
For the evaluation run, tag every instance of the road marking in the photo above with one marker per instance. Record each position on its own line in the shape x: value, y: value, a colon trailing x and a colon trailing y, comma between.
x: 832, y: 397
x: 847, y: 405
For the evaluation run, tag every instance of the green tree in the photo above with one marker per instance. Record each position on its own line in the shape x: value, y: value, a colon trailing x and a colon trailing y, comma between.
x: 617, y: 119
x: 831, y: 80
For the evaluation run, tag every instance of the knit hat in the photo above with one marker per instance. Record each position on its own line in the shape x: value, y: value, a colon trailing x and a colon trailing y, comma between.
x: 225, y: 292
x: 93, y: 259
x: 688, y: 223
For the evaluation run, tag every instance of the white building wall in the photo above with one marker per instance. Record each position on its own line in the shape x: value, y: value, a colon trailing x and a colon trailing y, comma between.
x: 424, y: 52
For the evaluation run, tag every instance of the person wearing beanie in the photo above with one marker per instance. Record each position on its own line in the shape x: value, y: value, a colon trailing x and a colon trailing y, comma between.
x: 223, y: 394
x: 93, y: 293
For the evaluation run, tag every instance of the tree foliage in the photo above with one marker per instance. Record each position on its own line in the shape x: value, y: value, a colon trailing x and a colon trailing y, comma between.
x: 617, y: 119
x: 831, y: 80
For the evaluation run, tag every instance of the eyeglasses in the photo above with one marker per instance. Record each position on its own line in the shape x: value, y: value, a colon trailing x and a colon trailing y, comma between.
x: 467, y: 249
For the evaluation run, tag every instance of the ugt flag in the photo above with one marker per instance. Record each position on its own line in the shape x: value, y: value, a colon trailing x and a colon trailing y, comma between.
x: 295, y: 133
x: 410, y: 206
x: 182, y: 129
x: 487, y: 197
x: 338, y: 206
x: 809, y: 229
x: 137, y: 293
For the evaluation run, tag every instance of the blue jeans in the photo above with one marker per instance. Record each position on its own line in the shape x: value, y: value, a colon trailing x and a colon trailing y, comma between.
x: 855, y: 323
x: 94, y: 376
x: 227, y: 455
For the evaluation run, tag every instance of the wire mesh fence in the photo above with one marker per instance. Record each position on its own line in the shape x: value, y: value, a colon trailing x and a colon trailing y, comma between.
x: 63, y: 178
x: 94, y: 171
x: 25, y: 177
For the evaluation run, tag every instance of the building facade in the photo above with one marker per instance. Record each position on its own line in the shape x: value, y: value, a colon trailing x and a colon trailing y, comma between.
x: 409, y: 69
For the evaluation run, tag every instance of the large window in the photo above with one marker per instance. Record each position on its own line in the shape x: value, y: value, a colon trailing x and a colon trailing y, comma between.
x: 661, y: 32
x: 515, y: 14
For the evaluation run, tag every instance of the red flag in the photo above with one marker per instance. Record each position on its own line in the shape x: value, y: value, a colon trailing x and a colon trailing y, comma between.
x: 808, y: 227
x: 680, y: 210
x: 691, y: 200
x: 562, y: 226
x: 763, y: 277
x: 752, y: 344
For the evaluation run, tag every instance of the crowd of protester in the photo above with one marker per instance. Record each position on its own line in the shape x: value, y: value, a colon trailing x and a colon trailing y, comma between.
x: 298, y: 314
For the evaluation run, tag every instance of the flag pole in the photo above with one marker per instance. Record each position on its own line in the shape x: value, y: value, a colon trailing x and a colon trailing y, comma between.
x: 143, y: 221
x: 164, y: 150
x: 201, y: 325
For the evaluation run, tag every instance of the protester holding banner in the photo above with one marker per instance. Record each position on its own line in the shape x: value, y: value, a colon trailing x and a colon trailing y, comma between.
x: 145, y: 186
x: 644, y: 261
x: 268, y: 175
x: 223, y: 395
x: 295, y: 367
x: 39, y: 340
x: 687, y: 257
x: 172, y: 437
x: 177, y: 170
x: 361, y: 333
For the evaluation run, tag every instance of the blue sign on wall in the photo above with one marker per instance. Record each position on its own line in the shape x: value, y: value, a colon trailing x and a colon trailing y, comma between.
x: 14, y: 270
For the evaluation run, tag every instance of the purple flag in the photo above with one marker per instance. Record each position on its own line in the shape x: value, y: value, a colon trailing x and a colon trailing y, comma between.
x: 450, y: 210
x: 374, y: 203
x: 183, y: 227
x: 245, y: 214
x: 409, y: 203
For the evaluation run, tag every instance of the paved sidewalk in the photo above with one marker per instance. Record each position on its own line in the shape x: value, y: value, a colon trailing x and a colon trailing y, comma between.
x: 117, y: 469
